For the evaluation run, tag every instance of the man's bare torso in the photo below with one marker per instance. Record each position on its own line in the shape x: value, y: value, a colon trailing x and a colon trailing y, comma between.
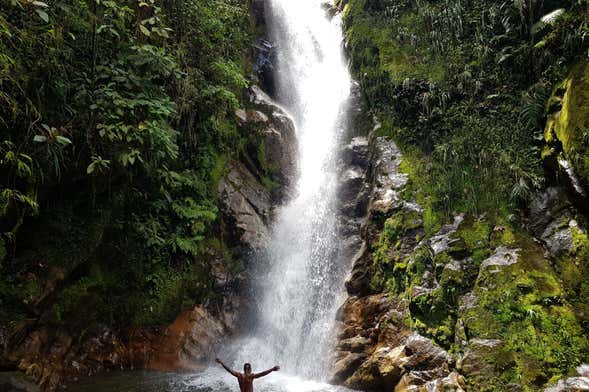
x: 246, y: 382
x: 246, y: 379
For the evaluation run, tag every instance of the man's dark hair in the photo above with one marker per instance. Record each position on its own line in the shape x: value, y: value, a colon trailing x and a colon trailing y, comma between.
x: 246, y: 367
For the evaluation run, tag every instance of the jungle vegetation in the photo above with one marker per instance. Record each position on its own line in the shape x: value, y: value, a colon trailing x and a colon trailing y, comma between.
x: 116, y: 120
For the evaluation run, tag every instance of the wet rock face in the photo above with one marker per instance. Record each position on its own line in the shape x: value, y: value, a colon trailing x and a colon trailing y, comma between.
x: 552, y: 219
x: 394, y: 331
x: 353, y: 189
x: 413, y: 362
x: 353, y: 201
x: 246, y: 203
x: 274, y: 147
x: 376, y: 350
x: 386, y: 179
x: 245, y: 207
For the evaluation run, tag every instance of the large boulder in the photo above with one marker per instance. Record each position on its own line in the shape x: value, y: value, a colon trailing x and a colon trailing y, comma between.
x: 246, y: 207
x: 553, y: 220
x: 480, y: 361
x: 188, y: 342
x: 405, y: 367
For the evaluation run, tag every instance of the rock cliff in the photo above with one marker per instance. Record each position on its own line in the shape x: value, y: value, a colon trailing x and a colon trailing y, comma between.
x: 426, y: 307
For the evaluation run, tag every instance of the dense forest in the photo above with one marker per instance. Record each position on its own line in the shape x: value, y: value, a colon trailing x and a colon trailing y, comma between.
x: 118, y: 120
x: 115, y: 129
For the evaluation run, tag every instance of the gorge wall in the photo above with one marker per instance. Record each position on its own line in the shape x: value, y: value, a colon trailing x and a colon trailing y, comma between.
x: 458, y: 285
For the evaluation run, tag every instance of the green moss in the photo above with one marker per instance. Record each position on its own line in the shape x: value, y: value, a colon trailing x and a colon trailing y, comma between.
x: 475, y: 232
x: 418, y: 187
x: 387, y: 265
x: 568, y: 126
x: 524, y: 306
x: 580, y: 244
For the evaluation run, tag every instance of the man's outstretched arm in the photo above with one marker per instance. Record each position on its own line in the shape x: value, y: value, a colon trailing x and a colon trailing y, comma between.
x: 266, y: 372
x: 233, y: 372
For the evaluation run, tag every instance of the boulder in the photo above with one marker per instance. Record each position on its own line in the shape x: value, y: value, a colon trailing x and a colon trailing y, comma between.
x: 481, y: 358
x: 344, y: 367
x: 417, y: 381
x: 503, y: 257
x: 553, y: 219
x: 188, y: 343
x: 424, y: 354
x: 358, y: 282
x: 245, y: 206
x: 275, y: 146
x: 414, y: 363
x: 454, y: 382
x: 382, y: 370
x: 442, y: 240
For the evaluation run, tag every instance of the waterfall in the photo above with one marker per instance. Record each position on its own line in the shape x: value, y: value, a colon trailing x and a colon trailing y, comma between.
x: 299, y: 281
x: 302, y: 284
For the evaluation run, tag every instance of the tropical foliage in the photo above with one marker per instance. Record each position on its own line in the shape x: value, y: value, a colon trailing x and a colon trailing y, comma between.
x: 115, y: 123
x: 467, y: 83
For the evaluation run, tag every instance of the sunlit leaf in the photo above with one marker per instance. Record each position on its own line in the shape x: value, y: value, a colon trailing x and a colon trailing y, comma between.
x: 43, y: 15
x: 144, y: 30
x: 63, y: 140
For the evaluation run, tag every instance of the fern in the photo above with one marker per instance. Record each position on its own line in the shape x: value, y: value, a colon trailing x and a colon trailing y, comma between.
x: 533, y: 112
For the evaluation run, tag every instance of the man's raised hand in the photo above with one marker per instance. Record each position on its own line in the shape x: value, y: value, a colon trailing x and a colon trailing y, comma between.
x: 218, y: 360
x: 276, y: 368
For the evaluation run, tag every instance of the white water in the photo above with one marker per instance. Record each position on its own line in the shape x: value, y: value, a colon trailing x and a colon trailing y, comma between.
x: 302, y: 284
x: 302, y: 287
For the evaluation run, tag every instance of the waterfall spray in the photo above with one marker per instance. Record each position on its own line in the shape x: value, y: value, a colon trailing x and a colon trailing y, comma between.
x: 303, y: 284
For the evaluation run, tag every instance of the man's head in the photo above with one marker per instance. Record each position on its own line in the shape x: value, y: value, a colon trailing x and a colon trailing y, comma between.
x: 247, y: 368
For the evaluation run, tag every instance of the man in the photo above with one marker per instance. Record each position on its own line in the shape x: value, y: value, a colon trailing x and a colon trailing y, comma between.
x: 246, y: 379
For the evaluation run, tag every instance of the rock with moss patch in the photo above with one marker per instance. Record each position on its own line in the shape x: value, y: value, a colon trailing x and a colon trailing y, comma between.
x: 567, y: 125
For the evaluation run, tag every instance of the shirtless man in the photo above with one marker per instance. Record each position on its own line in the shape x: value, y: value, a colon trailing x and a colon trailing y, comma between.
x: 246, y: 379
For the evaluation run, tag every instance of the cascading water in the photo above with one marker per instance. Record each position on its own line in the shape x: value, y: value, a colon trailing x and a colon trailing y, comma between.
x: 301, y: 285
x: 301, y: 290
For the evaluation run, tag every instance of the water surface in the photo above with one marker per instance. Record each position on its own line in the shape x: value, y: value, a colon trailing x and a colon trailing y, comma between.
x: 212, y: 380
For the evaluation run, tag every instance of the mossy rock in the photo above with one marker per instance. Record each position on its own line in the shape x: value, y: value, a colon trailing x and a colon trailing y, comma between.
x: 523, y: 304
x: 567, y: 127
